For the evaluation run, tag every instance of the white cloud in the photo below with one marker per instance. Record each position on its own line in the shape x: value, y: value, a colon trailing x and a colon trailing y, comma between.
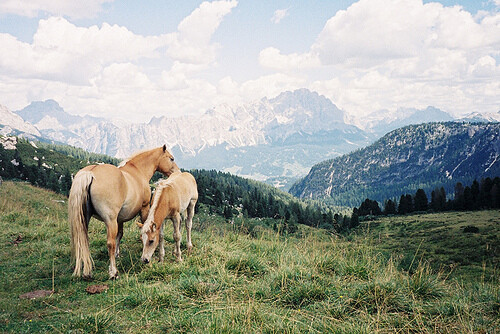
x: 65, y: 52
x: 110, y: 71
x: 279, y: 15
x: 272, y: 58
x: 271, y: 85
x: 191, y: 43
x: 73, y: 9
x: 390, y: 53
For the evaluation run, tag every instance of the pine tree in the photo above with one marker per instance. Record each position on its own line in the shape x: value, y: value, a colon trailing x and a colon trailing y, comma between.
x: 389, y: 207
x: 459, y: 202
x: 421, y: 202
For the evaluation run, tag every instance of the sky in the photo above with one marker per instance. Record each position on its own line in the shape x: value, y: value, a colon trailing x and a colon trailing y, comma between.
x: 132, y: 60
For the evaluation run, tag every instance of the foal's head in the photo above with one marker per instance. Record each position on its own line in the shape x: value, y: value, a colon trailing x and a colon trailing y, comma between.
x: 166, y: 164
x: 150, y: 235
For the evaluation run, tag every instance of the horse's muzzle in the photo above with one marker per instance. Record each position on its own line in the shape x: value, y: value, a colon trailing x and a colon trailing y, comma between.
x: 144, y: 260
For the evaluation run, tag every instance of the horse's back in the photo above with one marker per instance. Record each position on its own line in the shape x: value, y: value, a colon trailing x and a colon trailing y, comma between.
x: 186, y: 185
x: 178, y: 191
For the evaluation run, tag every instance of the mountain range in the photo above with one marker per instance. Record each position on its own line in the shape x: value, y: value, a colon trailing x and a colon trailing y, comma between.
x: 275, y: 140
x: 417, y: 156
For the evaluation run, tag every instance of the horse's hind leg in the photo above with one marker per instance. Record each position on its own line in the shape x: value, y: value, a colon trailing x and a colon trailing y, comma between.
x: 189, y: 224
x: 118, y: 238
x: 176, y: 221
x: 112, y: 227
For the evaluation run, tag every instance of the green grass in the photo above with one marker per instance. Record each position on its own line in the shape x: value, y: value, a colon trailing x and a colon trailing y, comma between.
x: 234, y: 281
x: 444, y: 240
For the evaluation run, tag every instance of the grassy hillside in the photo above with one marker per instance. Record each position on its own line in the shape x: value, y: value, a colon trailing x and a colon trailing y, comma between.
x: 235, y: 281
x: 459, y: 243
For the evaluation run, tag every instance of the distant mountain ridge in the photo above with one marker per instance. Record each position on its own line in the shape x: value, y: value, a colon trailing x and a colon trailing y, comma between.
x: 416, y: 156
x: 10, y: 123
x: 275, y: 140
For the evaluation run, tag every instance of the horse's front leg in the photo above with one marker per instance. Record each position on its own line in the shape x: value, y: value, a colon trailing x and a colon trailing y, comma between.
x: 161, y: 245
x: 176, y: 220
x: 112, y: 227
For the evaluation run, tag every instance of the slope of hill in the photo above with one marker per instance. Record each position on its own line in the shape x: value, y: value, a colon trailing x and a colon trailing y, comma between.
x: 418, y: 156
x: 465, y: 243
x: 232, y: 281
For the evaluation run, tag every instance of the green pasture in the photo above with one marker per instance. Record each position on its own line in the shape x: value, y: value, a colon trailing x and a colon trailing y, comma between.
x: 245, y: 278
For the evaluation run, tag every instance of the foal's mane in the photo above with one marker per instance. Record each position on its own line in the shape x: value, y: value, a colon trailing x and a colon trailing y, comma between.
x: 160, y: 185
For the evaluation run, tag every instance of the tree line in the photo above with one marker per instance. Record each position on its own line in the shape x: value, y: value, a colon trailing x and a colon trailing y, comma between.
x: 224, y: 194
x: 484, y: 194
x: 230, y: 196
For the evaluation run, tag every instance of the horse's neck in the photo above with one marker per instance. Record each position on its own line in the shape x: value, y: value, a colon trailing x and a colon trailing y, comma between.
x: 146, y: 164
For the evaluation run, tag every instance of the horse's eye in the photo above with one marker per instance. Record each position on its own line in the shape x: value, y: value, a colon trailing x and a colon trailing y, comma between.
x: 172, y: 159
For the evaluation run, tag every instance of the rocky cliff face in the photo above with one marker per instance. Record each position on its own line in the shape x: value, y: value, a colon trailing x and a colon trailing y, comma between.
x: 11, y: 123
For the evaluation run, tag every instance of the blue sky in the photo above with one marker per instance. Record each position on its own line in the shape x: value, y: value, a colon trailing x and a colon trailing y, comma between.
x: 137, y: 59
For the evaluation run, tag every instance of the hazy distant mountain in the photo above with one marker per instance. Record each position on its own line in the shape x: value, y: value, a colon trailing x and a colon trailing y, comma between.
x: 12, y: 124
x: 384, y: 121
x: 482, y: 118
x: 274, y: 140
x: 417, y: 156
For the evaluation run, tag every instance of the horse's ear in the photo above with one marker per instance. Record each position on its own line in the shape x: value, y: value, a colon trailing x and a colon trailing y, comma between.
x: 140, y: 225
x: 164, y: 148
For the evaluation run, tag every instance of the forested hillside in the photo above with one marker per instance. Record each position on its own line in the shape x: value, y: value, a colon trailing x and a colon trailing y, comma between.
x: 52, y: 166
x: 422, y: 156
x: 45, y: 165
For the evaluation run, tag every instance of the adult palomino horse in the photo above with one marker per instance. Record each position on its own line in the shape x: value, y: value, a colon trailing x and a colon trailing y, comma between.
x: 172, y: 196
x: 113, y: 195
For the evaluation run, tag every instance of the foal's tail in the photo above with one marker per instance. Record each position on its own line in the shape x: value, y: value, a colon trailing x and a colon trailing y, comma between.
x: 79, y: 215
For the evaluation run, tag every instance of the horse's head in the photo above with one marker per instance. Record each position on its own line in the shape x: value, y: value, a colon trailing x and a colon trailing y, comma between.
x: 166, y: 164
x: 150, y: 235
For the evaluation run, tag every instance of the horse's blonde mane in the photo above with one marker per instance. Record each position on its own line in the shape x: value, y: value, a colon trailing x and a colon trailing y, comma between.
x: 160, y: 185
x: 124, y: 162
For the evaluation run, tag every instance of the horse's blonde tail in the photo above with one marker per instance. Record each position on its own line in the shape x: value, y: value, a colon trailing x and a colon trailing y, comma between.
x: 79, y: 215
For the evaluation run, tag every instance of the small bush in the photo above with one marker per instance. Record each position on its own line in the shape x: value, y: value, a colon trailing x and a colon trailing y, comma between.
x: 471, y: 229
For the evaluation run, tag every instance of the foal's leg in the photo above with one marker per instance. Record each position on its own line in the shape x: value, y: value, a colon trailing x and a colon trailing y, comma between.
x: 112, y: 227
x: 118, y: 238
x: 176, y: 220
x: 162, y: 244
x: 189, y: 224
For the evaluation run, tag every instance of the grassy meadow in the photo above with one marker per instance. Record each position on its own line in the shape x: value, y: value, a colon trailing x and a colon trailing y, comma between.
x: 244, y: 278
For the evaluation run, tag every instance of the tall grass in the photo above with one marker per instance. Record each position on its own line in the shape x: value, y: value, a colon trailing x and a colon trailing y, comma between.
x: 233, y: 282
